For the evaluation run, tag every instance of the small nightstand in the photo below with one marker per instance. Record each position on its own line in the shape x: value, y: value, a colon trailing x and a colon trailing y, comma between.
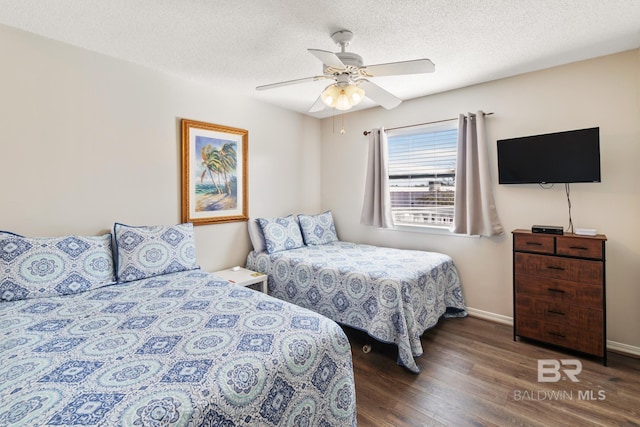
x: 244, y: 277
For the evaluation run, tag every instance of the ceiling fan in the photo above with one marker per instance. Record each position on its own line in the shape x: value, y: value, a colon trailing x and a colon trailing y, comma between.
x: 351, y: 77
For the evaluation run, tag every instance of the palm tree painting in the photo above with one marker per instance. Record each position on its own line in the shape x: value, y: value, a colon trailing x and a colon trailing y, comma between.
x: 216, y: 174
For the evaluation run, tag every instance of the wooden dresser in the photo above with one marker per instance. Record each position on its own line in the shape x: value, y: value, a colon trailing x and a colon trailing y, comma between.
x: 559, y: 290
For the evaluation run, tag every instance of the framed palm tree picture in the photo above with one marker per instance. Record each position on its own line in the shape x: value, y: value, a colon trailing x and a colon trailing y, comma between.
x: 214, y: 173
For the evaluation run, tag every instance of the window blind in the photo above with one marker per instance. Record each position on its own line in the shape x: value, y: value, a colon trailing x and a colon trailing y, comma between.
x: 422, y: 171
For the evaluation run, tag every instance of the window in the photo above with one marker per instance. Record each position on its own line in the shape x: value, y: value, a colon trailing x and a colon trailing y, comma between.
x: 422, y: 174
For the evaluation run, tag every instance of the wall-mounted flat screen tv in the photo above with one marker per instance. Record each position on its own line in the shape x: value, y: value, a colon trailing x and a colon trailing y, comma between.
x: 561, y: 157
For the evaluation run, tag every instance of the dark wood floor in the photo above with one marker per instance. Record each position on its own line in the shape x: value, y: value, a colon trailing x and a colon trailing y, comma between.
x: 474, y: 374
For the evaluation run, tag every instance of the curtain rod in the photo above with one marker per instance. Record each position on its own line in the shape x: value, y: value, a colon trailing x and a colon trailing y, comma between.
x: 366, y: 132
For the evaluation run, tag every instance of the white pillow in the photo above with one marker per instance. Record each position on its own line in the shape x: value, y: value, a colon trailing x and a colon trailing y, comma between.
x: 256, y: 236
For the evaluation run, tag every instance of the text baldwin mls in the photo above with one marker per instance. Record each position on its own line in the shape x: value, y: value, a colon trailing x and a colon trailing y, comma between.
x: 539, y: 395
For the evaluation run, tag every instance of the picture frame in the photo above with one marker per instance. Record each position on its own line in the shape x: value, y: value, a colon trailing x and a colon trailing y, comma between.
x: 214, y: 173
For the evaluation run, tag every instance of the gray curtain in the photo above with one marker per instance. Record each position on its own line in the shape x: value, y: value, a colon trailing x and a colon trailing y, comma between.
x: 376, y: 209
x: 475, y: 209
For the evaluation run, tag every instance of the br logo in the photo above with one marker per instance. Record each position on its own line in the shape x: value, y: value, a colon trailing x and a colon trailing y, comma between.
x: 551, y: 370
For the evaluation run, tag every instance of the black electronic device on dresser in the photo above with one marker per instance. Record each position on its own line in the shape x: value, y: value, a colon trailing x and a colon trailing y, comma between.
x: 559, y: 290
x: 547, y: 229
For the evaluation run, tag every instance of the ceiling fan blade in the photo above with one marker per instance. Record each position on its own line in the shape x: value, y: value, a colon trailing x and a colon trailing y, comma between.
x: 317, y: 106
x: 328, y: 58
x: 416, y: 66
x: 379, y: 95
x: 291, y: 82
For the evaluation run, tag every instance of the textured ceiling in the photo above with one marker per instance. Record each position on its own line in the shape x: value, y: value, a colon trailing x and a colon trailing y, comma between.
x: 238, y: 45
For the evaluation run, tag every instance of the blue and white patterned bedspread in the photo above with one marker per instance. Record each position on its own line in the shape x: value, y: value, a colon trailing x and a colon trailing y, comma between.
x: 180, y: 349
x: 392, y: 294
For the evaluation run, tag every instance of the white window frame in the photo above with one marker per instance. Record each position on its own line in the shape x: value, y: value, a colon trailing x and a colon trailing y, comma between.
x: 415, y: 224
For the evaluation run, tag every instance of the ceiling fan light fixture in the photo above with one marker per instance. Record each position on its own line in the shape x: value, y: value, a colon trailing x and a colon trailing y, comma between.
x: 342, y: 97
x: 330, y: 95
x: 354, y: 93
x: 343, y: 102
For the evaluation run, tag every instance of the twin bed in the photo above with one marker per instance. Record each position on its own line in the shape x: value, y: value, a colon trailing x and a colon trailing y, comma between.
x: 394, y: 295
x: 159, y: 342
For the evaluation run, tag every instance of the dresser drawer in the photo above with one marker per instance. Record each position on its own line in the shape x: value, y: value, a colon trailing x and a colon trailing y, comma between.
x: 587, y: 341
x: 579, y: 247
x: 538, y: 243
x: 560, y: 291
x: 576, y: 270
x: 565, y: 314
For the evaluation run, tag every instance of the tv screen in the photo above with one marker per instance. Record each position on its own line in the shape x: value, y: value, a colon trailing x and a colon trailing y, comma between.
x: 561, y: 157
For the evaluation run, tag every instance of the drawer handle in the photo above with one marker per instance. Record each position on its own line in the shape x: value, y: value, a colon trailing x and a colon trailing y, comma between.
x: 560, y: 291
x: 553, y: 267
x: 534, y: 243
x: 555, y: 312
x: 580, y: 248
x: 556, y: 334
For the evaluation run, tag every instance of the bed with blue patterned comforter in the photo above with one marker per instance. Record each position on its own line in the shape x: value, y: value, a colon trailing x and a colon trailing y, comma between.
x: 180, y: 349
x: 392, y: 294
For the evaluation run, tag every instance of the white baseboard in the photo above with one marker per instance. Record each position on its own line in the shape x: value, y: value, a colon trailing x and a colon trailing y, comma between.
x: 626, y: 349
x: 618, y: 347
x: 492, y: 317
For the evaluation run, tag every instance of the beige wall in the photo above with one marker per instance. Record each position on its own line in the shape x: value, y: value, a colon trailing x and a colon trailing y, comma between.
x: 87, y: 140
x: 602, y: 92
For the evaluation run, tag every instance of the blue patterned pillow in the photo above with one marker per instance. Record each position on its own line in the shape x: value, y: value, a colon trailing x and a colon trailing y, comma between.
x: 318, y: 229
x: 34, y: 267
x: 281, y: 234
x: 149, y: 251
